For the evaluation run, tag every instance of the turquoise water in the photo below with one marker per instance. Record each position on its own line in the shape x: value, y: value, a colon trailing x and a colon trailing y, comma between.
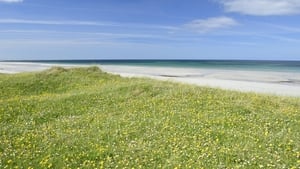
x: 278, y: 66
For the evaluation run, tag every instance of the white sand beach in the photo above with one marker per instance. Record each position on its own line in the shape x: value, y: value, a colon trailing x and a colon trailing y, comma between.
x: 18, y: 67
x: 274, y: 83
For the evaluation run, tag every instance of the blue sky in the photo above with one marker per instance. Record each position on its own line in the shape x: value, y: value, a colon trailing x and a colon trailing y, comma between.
x: 150, y: 29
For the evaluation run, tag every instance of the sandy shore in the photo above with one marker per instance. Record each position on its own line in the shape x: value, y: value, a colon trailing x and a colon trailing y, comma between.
x: 18, y: 67
x: 275, y: 83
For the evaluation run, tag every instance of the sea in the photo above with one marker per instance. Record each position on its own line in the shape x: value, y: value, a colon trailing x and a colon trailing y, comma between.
x: 249, y: 65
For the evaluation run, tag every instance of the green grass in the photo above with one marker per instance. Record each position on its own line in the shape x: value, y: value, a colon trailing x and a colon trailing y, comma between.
x: 85, y: 118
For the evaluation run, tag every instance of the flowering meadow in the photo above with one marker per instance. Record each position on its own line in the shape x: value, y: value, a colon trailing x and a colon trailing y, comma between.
x: 85, y: 118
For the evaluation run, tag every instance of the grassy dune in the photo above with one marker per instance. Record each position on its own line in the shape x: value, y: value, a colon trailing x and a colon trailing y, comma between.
x: 85, y: 118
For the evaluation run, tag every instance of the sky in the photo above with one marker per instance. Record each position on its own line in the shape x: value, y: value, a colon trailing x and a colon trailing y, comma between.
x: 150, y: 29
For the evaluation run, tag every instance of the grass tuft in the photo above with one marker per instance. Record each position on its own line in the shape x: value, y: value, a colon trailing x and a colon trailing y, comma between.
x: 86, y: 118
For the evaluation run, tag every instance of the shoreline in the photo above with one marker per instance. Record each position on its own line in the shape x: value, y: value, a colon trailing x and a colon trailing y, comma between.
x: 272, y: 83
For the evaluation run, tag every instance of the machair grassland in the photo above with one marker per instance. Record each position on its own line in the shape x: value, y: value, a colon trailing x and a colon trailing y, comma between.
x: 85, y: 118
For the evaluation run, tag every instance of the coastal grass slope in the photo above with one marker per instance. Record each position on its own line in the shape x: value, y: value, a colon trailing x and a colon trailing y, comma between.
x: 86, y: 118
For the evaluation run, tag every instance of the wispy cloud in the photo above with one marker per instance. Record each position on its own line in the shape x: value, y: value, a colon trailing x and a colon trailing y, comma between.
x: 53, y: 42
x: 86, y: 23
x: 47, y: 22
x: 262, y: 7
x: 82, y: 34
x: 11, y: 1
x: 280, y: 38
x: 210, y: 24
x: 287, y: 28
x: 133, y: 32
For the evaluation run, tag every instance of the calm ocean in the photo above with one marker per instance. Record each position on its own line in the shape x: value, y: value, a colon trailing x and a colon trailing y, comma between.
x: 277, y: 66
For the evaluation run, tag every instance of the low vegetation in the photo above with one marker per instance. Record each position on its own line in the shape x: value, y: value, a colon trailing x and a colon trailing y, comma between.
x: 85, y: 118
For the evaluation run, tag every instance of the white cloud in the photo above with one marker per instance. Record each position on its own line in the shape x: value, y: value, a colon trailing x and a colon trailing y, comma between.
x: 210, y: 24
x: 262, y: 7
x: 11, y: 1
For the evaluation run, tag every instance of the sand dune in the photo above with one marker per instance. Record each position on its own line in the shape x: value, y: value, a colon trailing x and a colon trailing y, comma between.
x: 275, y: 83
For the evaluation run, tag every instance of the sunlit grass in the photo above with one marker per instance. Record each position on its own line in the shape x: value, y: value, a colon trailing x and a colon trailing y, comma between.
x: 85, y: 118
